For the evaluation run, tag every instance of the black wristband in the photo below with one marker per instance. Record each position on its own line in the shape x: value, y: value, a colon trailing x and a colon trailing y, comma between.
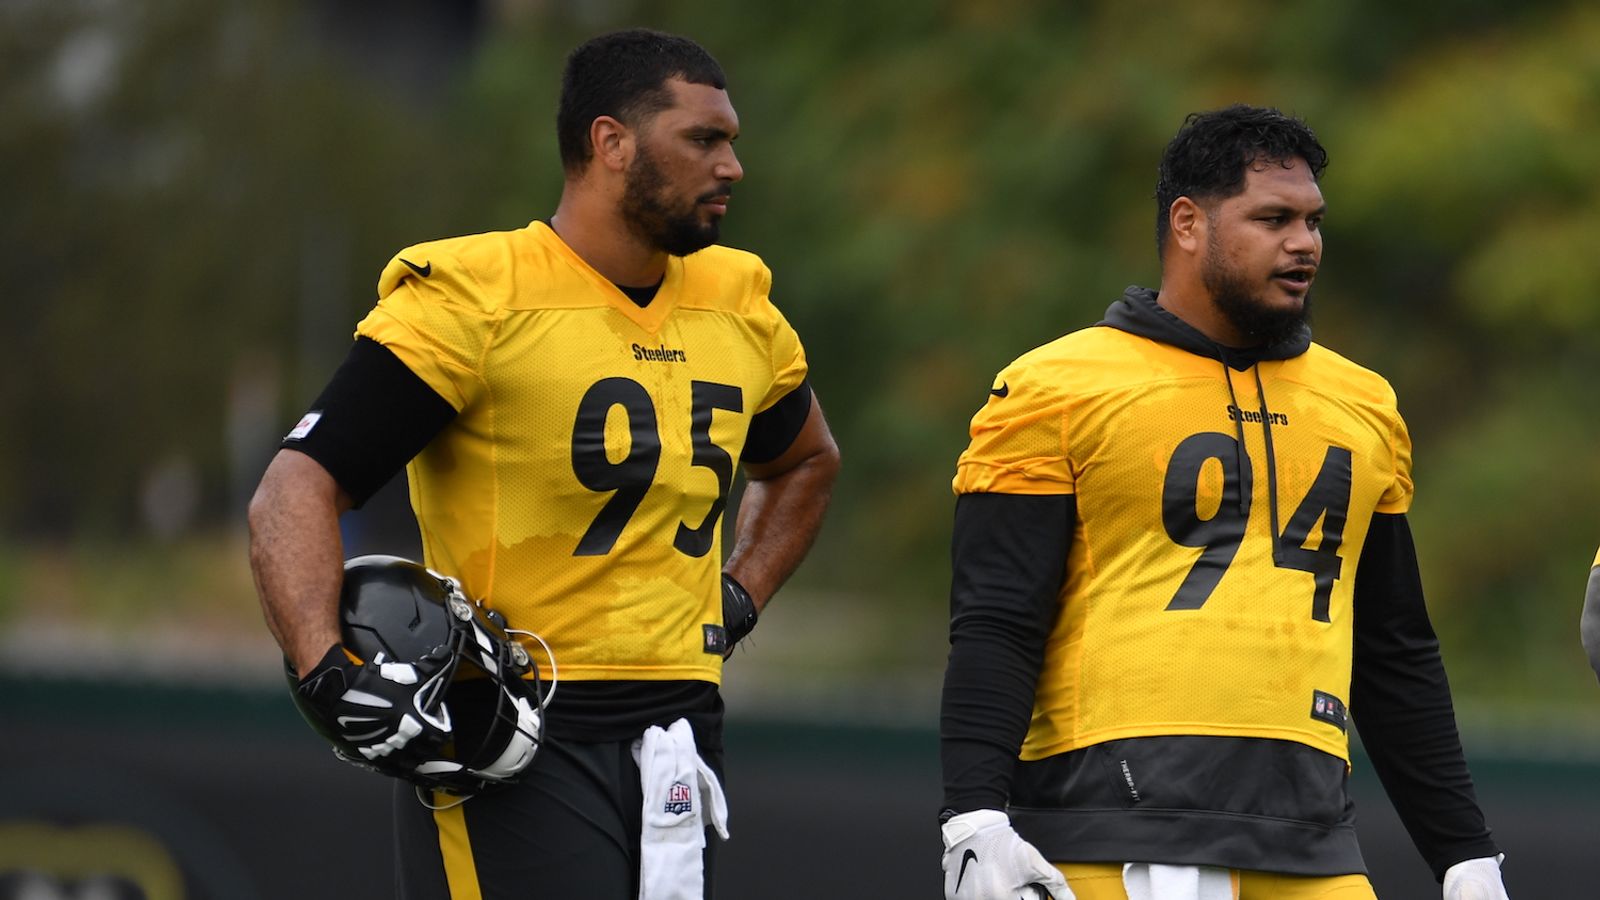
x: 738, y: 611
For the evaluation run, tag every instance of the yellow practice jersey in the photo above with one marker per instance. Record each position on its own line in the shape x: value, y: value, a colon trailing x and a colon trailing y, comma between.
x: 1188, y: 608
x: 580, y: 488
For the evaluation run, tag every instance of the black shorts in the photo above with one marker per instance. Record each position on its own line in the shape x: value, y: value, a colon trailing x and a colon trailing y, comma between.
x: 569, y: 828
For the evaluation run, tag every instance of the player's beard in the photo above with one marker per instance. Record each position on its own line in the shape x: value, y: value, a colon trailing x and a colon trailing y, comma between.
x: 653, y: 220
x: 1242, y: 304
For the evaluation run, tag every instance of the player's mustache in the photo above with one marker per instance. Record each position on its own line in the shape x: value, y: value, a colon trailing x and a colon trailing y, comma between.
x: 720, y: 193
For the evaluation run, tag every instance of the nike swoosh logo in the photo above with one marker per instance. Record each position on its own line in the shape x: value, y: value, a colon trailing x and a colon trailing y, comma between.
x: 967, y: 857
x: 1000, y: 391
x: 424, y: 270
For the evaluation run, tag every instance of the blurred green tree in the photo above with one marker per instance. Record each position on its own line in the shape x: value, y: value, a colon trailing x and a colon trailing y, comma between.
x: 201, y: 196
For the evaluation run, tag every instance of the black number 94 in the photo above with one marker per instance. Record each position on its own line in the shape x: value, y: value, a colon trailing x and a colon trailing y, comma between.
x: 1221, y: 535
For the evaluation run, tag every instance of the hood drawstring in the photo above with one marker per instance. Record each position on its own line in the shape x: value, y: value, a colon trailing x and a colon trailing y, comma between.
x: 1266, y: 433
x: 1272, y: 460
x: 1238, y: 430
x: 1139, y: 312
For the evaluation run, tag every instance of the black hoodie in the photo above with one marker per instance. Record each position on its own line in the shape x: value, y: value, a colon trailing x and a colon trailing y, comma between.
x: 1248, y: 803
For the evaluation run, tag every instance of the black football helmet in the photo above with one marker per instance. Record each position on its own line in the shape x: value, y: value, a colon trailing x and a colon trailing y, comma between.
x: 482, y: 690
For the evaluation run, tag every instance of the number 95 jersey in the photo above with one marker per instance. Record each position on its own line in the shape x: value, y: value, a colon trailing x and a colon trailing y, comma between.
x: 581, y: 486
x: 1220, y: 514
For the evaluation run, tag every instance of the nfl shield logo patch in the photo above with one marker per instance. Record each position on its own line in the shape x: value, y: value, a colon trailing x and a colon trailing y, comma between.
x: 1328, y: 708
x: 679, y: 799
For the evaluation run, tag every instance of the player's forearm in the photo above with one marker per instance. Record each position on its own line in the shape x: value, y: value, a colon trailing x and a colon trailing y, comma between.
x: 1401, y: 703
x: 983, y: 717
x: 1418, y: 757
x: 778, y: 520
x: 1590, y: 625
x: 296, y: 556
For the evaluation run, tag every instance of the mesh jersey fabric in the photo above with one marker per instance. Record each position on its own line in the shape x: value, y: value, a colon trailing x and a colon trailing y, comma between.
x: 1181, y: 611
x: 579, y: 489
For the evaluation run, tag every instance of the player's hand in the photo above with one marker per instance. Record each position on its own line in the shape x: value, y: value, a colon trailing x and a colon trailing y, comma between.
x: 1475, y: 879
x: 378, y: 708
x: 738, y: 612
x: 984, y: 859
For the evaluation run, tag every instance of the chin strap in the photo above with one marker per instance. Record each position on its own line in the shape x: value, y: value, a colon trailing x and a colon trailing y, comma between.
x: 555, y: 676
x: 423, y: 795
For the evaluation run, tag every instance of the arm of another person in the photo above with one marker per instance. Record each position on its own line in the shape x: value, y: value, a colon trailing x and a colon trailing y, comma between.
x: 782, y: 508
x: 1590, y: 625
x: 1400, y: 700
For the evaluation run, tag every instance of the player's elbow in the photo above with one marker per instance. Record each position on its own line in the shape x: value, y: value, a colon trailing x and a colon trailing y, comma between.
x: 1589, y: 626
x: 293, y: 483
x: 265, y: 501
x: 828, y: 459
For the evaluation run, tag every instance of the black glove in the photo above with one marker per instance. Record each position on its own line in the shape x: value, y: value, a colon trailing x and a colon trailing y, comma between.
x: 381, y: 708
x: 738, y: 612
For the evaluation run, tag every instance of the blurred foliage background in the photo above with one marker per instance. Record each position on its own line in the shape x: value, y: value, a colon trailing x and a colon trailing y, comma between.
x: 199, y: 197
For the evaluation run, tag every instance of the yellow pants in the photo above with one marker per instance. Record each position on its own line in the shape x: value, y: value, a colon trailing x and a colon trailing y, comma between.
x: 1103, y: 881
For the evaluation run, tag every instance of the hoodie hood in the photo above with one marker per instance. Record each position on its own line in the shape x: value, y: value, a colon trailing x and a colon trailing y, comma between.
x: 1137, y: 312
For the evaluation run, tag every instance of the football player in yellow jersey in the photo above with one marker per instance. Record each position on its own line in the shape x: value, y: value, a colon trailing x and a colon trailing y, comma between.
x: 1591, y: 616
x: 570, y: 400
x: 1180, y: 556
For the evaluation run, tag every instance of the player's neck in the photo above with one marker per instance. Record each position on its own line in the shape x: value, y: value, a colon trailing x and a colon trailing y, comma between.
x: 1192, y: 303
x: 602, y: 239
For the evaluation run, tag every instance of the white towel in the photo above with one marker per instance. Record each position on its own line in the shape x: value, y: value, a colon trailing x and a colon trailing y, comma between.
x: 1153, y: 881
x: 681, y: 797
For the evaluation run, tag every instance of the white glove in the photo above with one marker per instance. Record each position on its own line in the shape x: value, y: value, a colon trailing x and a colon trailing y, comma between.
x: 1475, y: 879
x: 984, y: 859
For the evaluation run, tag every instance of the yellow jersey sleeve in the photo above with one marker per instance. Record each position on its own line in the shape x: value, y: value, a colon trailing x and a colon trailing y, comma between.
x: 438, y: 318
x: 788, y: 358
x: 1018, y: 438
x: 1397, y: 498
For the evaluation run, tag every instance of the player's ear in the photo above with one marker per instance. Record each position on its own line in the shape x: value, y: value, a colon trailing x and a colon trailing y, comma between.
x: 613, y: 143
x: 1186, y: 223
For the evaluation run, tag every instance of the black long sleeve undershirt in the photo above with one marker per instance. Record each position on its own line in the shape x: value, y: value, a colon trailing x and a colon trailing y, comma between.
x: 1400, y: 701
x: 376, y: 414
x: 1011, y: 556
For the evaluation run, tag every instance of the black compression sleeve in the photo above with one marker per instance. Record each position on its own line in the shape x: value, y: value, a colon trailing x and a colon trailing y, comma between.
x: 1009, y: 556
x: 374, y: 415
x: 773, y: 429
x: 1400, y: 700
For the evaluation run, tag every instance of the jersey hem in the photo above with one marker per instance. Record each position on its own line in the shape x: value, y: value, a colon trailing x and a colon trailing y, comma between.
x: 570, y: 672
x: 1339, y: 749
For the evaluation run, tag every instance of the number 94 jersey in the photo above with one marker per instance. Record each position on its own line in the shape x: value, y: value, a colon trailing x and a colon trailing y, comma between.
x: 1209, y: 582
x: 581, y: 486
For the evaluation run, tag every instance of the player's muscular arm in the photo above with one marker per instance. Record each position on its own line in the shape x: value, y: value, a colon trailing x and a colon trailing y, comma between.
x: 1591, y: 619
x: 782, y: 509
x: 296, y: 555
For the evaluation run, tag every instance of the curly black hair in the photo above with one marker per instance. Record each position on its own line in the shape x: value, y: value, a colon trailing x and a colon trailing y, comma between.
x: 624, y: 74
x: 1208, y: 158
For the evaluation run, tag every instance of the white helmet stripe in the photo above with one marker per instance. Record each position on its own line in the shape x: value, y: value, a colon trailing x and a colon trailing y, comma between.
x: 362, y: 698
